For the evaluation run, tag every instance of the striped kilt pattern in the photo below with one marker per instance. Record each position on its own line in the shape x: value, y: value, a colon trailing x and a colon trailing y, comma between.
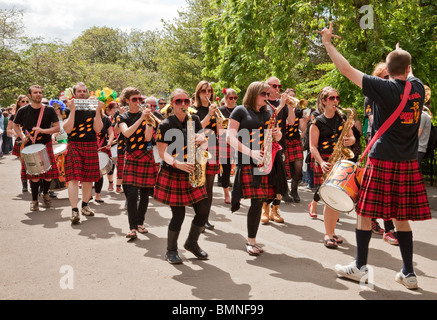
x: 53, y: 173
x: 293, y: 152
x: 318, y: 173
x: 82, y: 161
x: 264, y: 191
x: 174, y: 189
x: 16, y: 148
x: 140, y: 169
x: 213, y: 164
x: 395, y: 190
x: 120, y: 165
x: 225, y: 150
x: 23, y: 173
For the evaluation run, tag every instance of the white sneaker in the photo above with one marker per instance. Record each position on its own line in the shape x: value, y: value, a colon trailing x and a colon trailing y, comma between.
x: 351, y: 271
x: 86, y: 211
x: 74, y: 217
x: 409, y: 280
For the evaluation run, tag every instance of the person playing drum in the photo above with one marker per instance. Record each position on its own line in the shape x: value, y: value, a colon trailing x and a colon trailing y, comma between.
x: 324, y: 133
x: 81, y: 158
x: 392, y: 185
x: 39, y: 123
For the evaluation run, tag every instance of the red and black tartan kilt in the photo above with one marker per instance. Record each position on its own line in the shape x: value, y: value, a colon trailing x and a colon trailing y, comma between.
x: 82, y: 161
x: 294, y: 150
x: 264, y: 191
x: 120, y: 165
x: 317, y: 169
x: 393, y: 190
x: 140, y: 169
x: 225, y: 150
x: 213, y: 164
x: 174, y: 189
x: 16, y: 148
x: 53, y: 173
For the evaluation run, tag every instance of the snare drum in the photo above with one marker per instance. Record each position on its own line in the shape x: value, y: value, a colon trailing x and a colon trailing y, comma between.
x: 59, y: 152
x: 105, y: 163
x: 342, y: 186
x: 36, y: 159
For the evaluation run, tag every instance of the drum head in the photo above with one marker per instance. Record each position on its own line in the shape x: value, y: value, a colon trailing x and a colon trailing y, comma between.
x: 336, y: 198
x: 114, y: 151
x: 59, y: 148
x: 103, y: 160
x: 33, y: 148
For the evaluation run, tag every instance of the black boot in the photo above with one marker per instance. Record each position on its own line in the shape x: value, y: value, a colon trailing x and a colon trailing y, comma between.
x: 172, y: 247
x: 286, y: 197
x: 293, y: 193
x: 191, y: 243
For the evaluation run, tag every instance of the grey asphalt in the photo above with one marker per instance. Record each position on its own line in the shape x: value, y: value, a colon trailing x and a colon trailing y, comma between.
x: 45, y: 257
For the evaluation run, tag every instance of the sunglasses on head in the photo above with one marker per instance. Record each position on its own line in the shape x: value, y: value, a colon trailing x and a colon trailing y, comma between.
x: 178, y: 102
x: 277, y: 86
x: 233, y: 98
x: 333, y: 98
x: 265, y: 94
x: 137, y: 99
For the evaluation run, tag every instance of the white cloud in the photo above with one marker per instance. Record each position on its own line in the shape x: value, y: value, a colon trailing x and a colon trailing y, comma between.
x: 67, y: 19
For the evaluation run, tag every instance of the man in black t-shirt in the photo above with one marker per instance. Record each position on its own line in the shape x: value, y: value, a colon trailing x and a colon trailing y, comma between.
x: 392, y: 185
x: 39, y: 123
x: 81, y: 157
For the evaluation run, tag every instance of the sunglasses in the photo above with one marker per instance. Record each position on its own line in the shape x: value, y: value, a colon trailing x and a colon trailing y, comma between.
x: 178, y: 102
x: 206, y: 91
x: 137, y: 99
x: 265, y: 94
x: 233, y: 98
x: 277, y: 86
x: 333, y: 98
x: 162, y: 103
x: 24, y: 101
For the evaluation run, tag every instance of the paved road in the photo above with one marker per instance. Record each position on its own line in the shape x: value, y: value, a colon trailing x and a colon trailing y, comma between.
x: 45, y: 257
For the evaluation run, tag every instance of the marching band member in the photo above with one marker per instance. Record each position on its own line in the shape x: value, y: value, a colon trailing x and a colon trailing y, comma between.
x: 207, y: 110
x: 139, y: 174
x: 392, y: 186
x: 245, y: 134
x: 39, y: 122
x: 81, y: 158
x: 324, y: 133
x: 173, y: 186
x: 226, y: 153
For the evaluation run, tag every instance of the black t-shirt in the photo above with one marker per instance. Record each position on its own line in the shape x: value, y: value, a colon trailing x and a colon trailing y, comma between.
x: 400, y: 141
x: 102, y: 136
x: 281, y: 120
x: 330, y: 129
x: 121, y: 140
x: 83, y: 130
x: 293, y: 129
x: 137, y: 141
x: 27, y: 118
x: 251, y: 130
x: 211, y: 128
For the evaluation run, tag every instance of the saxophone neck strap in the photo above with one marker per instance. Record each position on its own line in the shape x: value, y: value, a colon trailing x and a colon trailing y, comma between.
x: 389, y: 121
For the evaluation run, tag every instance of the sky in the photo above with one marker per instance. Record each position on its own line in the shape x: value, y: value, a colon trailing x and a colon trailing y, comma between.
x: 66, y: 19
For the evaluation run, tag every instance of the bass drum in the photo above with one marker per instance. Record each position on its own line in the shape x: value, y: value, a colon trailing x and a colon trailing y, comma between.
x: 59, y: 151
x: 342, y: 186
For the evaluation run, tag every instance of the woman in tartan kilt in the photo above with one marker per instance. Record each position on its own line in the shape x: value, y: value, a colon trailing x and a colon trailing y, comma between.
x: 39, y: 123
x: 392, y: 186
x: 206, y: 111
x: 172, y: 185
x: 246, y: 134
x: 324, y: 133
x: 139, y: 173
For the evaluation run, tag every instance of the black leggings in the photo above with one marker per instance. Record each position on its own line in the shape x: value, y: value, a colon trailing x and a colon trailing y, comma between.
x: 201, y: 210
x: 296, y: 170
x: 226, y: 175
x: 98, y: 185
x: 254, y: 217
x: 209, y: 183
x: 136, y: 212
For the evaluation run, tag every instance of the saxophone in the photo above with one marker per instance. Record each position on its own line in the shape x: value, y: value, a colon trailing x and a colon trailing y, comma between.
x: 340, y: 151
x: 269, y: 146
x: 195, y: 155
